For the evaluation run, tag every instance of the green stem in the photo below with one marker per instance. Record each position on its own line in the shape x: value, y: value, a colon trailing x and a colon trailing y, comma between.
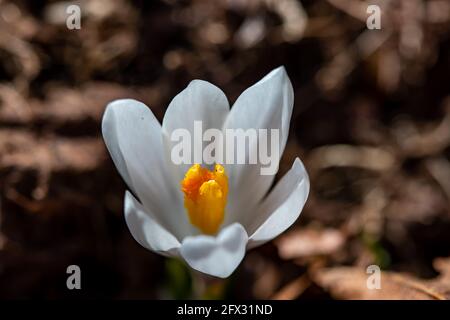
x: 207, y: 287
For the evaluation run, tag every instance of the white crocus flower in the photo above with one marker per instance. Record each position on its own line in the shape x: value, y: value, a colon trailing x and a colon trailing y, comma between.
x: 242, y: 214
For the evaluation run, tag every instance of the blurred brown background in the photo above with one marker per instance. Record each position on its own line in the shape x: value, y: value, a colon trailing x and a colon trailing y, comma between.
x: 371, y: 122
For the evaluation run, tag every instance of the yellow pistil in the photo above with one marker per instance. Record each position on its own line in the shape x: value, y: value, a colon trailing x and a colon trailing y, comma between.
x: 205, y: 197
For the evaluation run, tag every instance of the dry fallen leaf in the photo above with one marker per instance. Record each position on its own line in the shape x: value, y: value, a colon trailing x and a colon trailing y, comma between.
x: 309, y: 242
x: 351, y: 283
x: 293, y: 289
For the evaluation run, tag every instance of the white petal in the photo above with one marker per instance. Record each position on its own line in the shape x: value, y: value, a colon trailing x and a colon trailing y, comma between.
x: 134, y: 139
x: 217, y: 256
x: 266, y: 105
x: 281, y: 207
x: 110, y: 135
x: 146, y: 230
x: 200, y: 101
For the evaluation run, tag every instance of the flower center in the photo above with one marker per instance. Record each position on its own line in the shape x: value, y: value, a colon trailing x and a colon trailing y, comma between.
x: 205, y: 197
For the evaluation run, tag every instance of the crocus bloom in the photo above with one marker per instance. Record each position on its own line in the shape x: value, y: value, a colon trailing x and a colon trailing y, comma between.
x: 207, y: 217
